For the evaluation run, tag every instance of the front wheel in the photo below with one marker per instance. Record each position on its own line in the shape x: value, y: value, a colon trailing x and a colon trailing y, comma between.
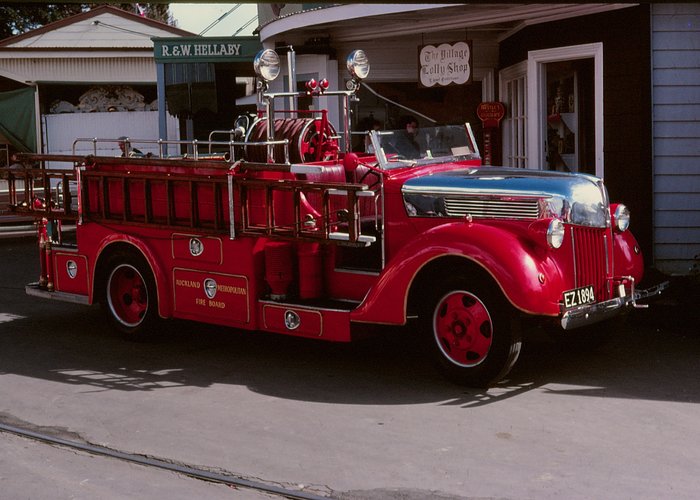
x: 471, y: 331
x: 130, y: 297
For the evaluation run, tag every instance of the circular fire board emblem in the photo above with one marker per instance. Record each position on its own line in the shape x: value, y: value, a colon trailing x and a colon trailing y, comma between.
x: 196, y: 247
x: 71, y: 269
x: 210, y: 288
x: 291, y: 320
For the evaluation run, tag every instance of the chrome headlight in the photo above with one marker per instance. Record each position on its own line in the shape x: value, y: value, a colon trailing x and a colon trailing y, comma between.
x: 267, y: 64
x: 358, y: 64
x: 555, y: 233
x: 411, y: 209
x: 622, y: 218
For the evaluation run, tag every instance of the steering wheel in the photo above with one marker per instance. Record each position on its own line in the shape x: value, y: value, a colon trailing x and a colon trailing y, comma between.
x: 395, y: 156
x: 364, y: 176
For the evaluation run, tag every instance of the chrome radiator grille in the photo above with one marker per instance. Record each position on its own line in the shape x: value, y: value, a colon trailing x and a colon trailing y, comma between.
x: 590, y: 250
x: 495, y: 208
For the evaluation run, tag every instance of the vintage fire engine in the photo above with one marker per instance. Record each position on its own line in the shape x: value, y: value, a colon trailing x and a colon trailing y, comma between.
x: 289, y: 231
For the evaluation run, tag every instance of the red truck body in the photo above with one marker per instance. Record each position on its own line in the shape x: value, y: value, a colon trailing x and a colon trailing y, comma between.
x: 327, y: 238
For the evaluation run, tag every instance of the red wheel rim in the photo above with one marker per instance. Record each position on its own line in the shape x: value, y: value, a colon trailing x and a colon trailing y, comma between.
x: 127, y: 295
x: 463, y: 328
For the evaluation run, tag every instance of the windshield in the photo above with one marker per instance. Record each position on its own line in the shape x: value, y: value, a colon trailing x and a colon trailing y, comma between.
x: 421, y: 146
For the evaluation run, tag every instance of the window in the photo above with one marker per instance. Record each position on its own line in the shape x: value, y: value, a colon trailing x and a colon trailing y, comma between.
x: 513, y: 91
x: 4, y: 155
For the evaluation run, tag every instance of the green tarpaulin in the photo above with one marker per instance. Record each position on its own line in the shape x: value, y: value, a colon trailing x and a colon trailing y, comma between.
x: 18, y: 119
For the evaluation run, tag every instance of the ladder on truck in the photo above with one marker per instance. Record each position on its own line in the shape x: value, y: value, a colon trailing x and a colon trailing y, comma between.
x: 44, y: 193
x: 289, y: 212
x: 200, y: 195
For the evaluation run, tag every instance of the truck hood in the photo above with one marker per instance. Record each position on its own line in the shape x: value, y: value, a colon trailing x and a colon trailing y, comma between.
x: 479, y: 192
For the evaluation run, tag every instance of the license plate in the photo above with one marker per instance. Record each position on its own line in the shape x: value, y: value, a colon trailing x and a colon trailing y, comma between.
x: 579, y: 297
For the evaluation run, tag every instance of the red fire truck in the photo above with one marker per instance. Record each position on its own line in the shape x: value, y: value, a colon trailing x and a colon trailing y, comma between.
x: 282, y: 228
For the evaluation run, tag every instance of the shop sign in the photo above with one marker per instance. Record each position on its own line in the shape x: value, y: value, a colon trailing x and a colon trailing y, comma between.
x: 201, y: 49
x: 220, y: 49
x: 491, y: 113
x: 446, y: 64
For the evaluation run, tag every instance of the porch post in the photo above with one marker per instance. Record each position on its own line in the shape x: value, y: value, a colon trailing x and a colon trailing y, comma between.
x: 162, y: 122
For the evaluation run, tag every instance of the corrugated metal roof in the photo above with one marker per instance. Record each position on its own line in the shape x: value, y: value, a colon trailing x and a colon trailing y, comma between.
x: 105, y: 44
x: 92, y: 69
x: 102, y: 27
x: 106, y: 30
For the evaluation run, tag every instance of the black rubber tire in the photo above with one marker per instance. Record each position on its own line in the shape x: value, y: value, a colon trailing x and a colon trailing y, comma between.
x: 129, y: 296
x: 495, y: 327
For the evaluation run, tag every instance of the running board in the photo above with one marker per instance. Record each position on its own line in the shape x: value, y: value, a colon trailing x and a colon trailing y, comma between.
x: 34, y: 290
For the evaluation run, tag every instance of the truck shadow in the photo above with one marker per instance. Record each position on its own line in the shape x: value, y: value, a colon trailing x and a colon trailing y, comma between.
x: 642, y: 360
x: 73, y: 345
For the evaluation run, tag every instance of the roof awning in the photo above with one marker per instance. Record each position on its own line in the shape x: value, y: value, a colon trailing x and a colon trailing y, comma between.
x: 18, y: 118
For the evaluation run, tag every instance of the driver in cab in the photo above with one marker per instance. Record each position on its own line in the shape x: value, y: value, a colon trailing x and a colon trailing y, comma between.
x: 405, y: 143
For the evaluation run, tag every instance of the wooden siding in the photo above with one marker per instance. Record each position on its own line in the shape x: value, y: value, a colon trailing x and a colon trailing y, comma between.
x: 676, y: 133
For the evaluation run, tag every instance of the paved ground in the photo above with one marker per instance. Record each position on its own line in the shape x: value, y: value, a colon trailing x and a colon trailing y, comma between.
x: 363, y: 421
x: 32, y: 470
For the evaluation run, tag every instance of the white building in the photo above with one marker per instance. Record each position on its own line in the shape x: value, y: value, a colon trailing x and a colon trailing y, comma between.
x: 607, y: 89
x: 90, y: 75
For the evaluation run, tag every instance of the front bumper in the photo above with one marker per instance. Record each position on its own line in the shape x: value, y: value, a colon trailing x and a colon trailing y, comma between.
x: 594, y: 313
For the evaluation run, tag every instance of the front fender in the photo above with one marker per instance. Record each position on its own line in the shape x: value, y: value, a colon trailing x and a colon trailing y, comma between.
x: 515, y: 262
x: 627, y: 257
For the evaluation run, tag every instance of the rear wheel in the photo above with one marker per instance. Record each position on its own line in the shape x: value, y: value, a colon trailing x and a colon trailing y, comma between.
x: 471, y: 331
x: 130, y: 297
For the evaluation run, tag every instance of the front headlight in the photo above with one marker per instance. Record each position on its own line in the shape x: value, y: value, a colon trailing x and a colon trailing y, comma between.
x: 358, y: 64
x: 555, y: 233
x: 267, y: 64
x: 622, y: 218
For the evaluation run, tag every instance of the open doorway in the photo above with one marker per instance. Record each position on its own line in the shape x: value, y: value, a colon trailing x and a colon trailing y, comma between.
x: 570, y: 129
x: 565, y: 88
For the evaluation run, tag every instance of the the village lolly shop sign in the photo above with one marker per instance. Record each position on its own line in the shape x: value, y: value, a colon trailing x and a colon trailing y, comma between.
x: 446, y: 64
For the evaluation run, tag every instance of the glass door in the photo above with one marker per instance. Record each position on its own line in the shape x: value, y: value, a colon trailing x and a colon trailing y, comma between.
x: 569, y: 137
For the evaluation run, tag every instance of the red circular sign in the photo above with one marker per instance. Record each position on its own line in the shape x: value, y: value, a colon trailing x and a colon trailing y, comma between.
x: 491, y: 113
